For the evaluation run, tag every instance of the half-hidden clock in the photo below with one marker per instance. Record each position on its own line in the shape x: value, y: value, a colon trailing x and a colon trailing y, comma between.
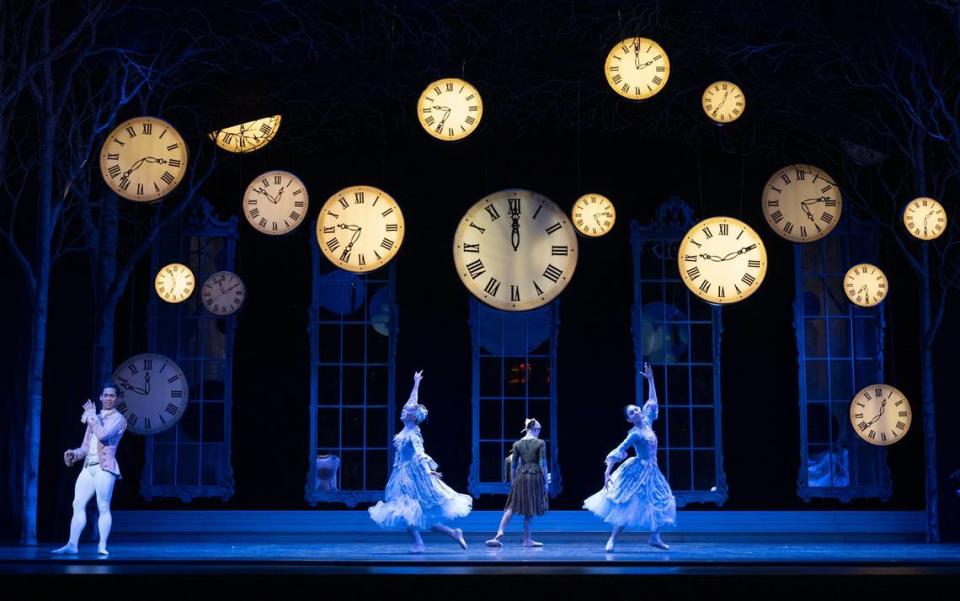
x: 247, y: 136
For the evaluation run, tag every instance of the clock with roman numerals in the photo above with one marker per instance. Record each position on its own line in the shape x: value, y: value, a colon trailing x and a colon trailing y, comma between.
x: 801, y: 203
x: 722, y: 260
x: 880, y: 414
x: 275, y: 202
x: 143, y: 159
x: 450, y: 109
x: 247, y: 136
x: 723, y: 101
x: 925, y: 218
x: 593, y: 215
x: 515, y: 250
x: 360, y: 228
x: 865, y: 285
x: 637, y: 68
x: 152, y: 392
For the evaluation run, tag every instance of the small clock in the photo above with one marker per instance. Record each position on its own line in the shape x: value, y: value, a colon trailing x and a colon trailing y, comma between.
x: 722, y: 260
x: 450, y: 109
x: 152, y: 392
x: 223, y: 293
x: 865, y: 285
x: 880, y: 414
x: 925, y: 218
x: 275, y: 202
x: 174, y: 283
x: 360, y: 228
x: 515, y: 250
x: 143, y: 159
x: 801, y: 203
x: 248, y: 136
x: 593, y: 215
x: 723, y: 101
x: 637, y: 68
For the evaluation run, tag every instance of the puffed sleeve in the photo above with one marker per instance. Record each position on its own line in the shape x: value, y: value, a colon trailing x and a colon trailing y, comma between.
x: 650, y: 410
x: 620, y: 453
x: 420, y: 456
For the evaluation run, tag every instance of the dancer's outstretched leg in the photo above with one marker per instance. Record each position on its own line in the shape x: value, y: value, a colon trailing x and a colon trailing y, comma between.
x: 455, y: 533
x: 497, y: 541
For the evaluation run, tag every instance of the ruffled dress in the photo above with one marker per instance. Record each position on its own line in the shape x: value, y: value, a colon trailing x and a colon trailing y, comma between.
x: 414, y: 498
x: 639, y: 495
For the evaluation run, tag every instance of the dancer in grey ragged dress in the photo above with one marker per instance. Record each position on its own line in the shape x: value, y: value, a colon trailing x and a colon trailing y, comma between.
x: 636, y: 494
x: 416, y: 498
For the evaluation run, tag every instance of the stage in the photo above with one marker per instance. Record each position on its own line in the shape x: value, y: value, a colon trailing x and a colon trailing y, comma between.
x: 747, y: 551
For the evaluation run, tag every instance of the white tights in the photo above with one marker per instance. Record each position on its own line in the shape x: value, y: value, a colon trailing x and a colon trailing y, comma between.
x: 92, y: 480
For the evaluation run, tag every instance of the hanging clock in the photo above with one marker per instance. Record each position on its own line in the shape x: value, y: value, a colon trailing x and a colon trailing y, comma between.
x: 593, y: 215
x: 723, y: 101
x: 174, y: 283
x: 801, y: 203
x: 880, y: 414
x: 275, y: 202
x: 925, y: 218
x: 865, y: 285
x: 223, y: 293
x: 637, y: 68
x: 450, y: 109
x: 515, y: 250
x: 722, y: 260
x: 248, y: 136
x: 152, y: 392
x: 360, y: 228
x: 143, y: 159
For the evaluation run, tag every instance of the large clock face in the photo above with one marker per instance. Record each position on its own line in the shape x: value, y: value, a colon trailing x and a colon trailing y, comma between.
x: 801, y: 203
x: 360, y: 228
x: 174, y: 283
x: 880, y: 414
x: 722, y: 260
x: 450, y: 109
x: 593, y: 215
x: 865, y: 285
x: 143, y: 159
x: 248, y: 136
x: 515, y: 250
x: 637, y: 68
x: 723, y: 101
x: 152, y: 392
x: 223, y: 293
x: 925, y: 218
x: 275, y: 202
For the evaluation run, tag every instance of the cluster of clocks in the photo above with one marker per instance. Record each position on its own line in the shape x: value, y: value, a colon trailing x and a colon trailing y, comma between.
x: 514, y: 249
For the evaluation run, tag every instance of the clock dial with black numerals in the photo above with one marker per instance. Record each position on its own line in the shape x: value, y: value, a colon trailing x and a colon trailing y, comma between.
x: 723, y: 101
x: 515, y: 250
x: 865, y: 285
x: 247, y: 136
x: 925, y: 218
x: 593, y: 215
x: 801, y: 203
x: 143, y: 159
x: 174, y: 283
x: 275, y: 202
x: 450, y: 109
x: 223, y: 293
x: 722, y: 260
x: 360, y: 228
x: 152, y: 392
x: 637, y: 68
x: 880, y: 414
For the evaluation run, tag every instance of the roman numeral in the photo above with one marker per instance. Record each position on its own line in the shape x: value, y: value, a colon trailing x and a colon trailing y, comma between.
x: 277, y: 180
x: 122, y: 406
x: 474, y: 225
x: 343, y: 202
x: 429, y: 120
x: 556, y: 226
x: 265, y: 129
x: 333, y: 244
x: 133, y: 369
x: 705, y: 286
x: 748, y: 279
x: 707, y: 232
x: 560, y: 251
x: 361, y: 260
x: 693, y: 273
x: 690, y: 258
x: 470, y: 120
x: 788, y: 227
x: 358, y: 198
x: 785, y: 178
x: 492, y: 287
x: 830, y: 202
x: 513, y: 206
x: 492, y: 211
x: 826, y: 218
x: 514, y: 293
x: 392, y: 227
x: 255, y: 213
x: 387, y: 212
x: 617, y: 79
x: 124, y: 183
x: 114, y: 171
x: 295, y: 216
x: 172, y: 409
x: 552, y: 273
x: 139, y: 189
x: 345, y: 255
x: 724, y: 229
x: 174, y: 163
x: 753, y: 263
x: 131, y: 132
x: 148, y: 128
x: 720, y: 293
x: 471, y: 248
x: 174, y: 146
x: 167, y: 177
x: 173, y: 378
x: 537, y: 288
x: 387, y: 243
x: 862, y: 426
x: 800, y: 175
x: 476, y: 269
x: 901, y: 425
x: 657, y: 80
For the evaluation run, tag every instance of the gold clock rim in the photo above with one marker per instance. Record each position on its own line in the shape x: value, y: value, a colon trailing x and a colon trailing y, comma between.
x: 613, y: 221
x: 463, y: 225
x: 215, y: 134
x: 459, y: 135
x: 192, y: 288
x: 885, y: 281
x: 703, y: 101
x: 851, y: 413
x: 830, y: 227
x: 666, y: 77
x: 211, y: 276
x: 125, y: 195
x: 761, y: 275
x: 186, y: 389
x: 906, y: 207
x: 391, y: 254
x: 306, y: 202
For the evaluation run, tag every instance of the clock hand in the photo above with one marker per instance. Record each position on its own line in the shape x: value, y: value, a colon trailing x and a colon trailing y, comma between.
x: 515, y: 228
x: 146, y: 381
x: 267, y: 194
x: 126, y: 385
x: 596, y: 217
x: 714, y: 258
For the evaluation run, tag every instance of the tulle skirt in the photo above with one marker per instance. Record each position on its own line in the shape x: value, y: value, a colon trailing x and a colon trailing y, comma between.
x: 416, y: 499
x: 639, y: 496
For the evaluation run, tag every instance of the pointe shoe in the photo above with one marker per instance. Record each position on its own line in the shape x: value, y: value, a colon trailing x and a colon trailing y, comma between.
x: 458, y: 536
x: 417, y: 549
x: 532, y: 543
x: 67, y: 549
x: 656, y: 542
x: 609, y: 547
x: 103, y: 551
x: 495, y: 541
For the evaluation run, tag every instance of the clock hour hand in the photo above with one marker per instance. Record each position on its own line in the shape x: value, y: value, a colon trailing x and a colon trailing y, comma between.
x: 126, y: 385
x: 267, y: 194
x: 714, y: 258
